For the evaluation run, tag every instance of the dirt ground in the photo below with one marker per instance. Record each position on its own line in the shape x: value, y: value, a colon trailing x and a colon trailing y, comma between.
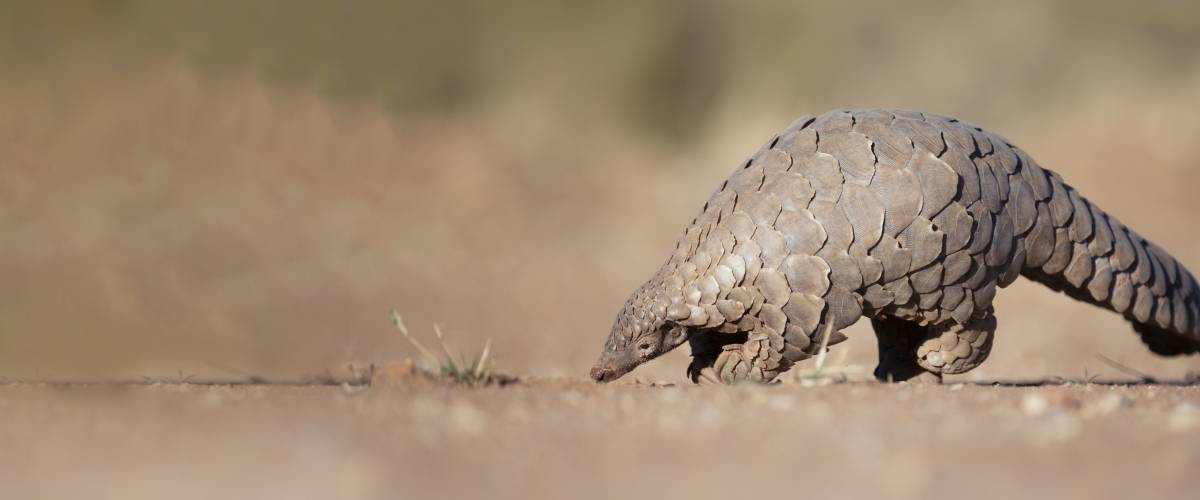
x: 570, y: 439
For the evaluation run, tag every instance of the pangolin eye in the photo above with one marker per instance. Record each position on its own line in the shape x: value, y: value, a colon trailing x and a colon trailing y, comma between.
x: 644, y: 346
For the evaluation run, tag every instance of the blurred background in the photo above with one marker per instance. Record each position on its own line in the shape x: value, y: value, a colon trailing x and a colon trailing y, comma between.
x: 226, y: 188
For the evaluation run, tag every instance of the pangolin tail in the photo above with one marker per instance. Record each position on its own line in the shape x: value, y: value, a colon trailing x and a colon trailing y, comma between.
x: 1093, y: 257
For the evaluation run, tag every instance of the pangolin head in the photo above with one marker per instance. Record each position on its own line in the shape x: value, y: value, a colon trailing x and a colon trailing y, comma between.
x: 641, y: 332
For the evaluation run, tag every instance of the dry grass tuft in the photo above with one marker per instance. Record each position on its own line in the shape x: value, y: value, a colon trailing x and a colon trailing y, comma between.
x: 475, y: 371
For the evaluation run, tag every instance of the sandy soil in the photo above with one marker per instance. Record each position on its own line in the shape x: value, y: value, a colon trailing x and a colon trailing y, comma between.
x: 569, y: 439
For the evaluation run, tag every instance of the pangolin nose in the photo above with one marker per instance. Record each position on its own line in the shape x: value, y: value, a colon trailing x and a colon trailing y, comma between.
x: 598, y: 374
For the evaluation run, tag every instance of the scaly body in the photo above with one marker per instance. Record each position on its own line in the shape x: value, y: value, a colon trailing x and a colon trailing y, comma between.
x: 910, y: 219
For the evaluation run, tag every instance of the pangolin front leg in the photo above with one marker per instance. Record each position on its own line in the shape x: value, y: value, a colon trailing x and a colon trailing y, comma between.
x: 706, y: 348
x: 759, y: 356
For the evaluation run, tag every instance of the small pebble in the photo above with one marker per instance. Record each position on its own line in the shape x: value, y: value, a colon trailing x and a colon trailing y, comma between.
x: 1184, y: 417
x: 466, y: 419
x: 1058, y: 428
x: 1106, y: 405
x: 1034, y: 405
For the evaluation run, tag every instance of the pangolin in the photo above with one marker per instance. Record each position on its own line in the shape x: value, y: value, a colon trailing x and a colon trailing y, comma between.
x: 911, y: 219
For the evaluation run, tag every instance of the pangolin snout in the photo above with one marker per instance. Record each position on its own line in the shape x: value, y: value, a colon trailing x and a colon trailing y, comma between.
x: 609, y: 368
x: 600, y: 374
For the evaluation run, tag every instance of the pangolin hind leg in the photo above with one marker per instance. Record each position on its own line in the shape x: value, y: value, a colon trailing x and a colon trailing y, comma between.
x: 908, y: 351
x: 898, y: 340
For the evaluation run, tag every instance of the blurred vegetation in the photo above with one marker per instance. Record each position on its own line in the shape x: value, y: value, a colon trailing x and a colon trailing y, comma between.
x: 664, y: 67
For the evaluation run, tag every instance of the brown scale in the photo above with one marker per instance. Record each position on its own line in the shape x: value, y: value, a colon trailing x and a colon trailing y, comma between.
x: 914, y: 220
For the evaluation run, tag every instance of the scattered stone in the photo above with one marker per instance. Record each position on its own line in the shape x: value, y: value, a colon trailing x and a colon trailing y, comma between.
x: 1034, y: 405
x: 1106, y: 405
x: 1184, y: 417
x: 467, y: 419
x: 1058, y: 428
